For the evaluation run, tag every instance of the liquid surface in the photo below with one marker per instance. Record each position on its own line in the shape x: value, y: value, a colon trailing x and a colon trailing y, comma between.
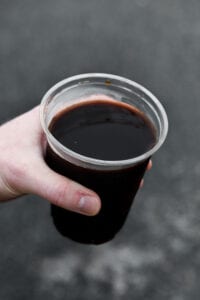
x: 104, y: 130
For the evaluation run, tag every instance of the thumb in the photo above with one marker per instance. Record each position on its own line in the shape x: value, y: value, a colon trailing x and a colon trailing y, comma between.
x: 62, y: 191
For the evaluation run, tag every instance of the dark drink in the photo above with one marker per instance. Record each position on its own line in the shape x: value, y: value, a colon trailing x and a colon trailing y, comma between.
x: 104, y: 130
x: 101, y: 131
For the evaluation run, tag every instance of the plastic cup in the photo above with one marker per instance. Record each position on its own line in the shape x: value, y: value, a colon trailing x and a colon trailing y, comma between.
x: 116, y: 182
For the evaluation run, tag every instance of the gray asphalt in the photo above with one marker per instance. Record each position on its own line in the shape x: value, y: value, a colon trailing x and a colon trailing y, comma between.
x: 156, y: 43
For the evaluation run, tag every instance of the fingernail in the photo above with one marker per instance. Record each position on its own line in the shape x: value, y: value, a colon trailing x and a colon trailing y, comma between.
x: 88, y: 205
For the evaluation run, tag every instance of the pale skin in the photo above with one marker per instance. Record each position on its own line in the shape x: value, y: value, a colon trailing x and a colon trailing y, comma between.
x: 24, y: 171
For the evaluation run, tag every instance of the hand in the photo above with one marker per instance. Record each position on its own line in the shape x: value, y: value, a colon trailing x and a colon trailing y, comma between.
x: 24, y: 171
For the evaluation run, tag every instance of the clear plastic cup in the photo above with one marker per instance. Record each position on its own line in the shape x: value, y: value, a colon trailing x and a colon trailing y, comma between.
x: 116, y: 181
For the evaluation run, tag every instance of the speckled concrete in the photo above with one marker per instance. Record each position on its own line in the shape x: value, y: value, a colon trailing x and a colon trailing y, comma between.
x: 157, y: 43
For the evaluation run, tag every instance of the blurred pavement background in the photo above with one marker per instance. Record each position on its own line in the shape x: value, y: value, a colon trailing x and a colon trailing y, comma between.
x: 156, y: 43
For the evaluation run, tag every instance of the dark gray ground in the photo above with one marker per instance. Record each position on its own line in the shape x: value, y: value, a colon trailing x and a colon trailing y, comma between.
x: 156, y: 43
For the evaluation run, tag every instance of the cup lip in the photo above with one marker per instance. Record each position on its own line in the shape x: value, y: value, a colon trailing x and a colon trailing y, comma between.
x: 93, y: 161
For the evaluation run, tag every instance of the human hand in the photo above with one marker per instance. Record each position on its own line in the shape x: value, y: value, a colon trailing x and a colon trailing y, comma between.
x: 24, y: 171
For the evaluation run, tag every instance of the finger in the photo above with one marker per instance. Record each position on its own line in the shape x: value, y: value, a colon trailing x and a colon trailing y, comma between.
x: 6, y: 192
x: 149, y: 166
x: 62, y: 191
x: 141, y: 183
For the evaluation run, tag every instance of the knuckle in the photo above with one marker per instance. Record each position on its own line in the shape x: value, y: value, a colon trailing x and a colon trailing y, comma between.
x: 6, y: 190
x: 60, y: 194
x: 17, y: 174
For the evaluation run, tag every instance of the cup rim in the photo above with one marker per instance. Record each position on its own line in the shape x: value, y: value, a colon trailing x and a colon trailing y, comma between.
x: 93, y: 161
